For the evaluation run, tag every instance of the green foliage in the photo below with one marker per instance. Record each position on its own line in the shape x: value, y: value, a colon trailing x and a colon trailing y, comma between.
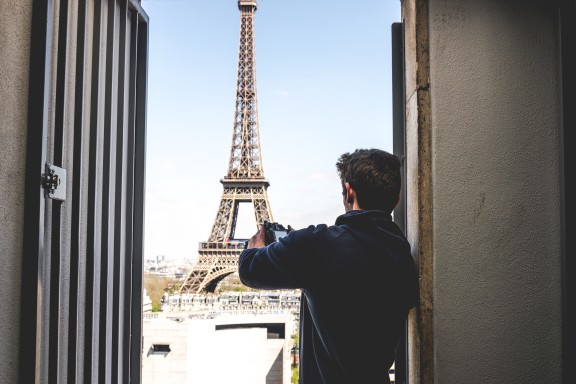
x: 296, y: 338
x: 294, y: 378
x: 295, y: 365
x: 156, y: 286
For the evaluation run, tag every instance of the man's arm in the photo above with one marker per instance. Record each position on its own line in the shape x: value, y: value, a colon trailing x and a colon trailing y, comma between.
x: 274, y: 266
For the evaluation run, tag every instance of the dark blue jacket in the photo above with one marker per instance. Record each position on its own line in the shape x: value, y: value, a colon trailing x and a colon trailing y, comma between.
x: 358, y: 281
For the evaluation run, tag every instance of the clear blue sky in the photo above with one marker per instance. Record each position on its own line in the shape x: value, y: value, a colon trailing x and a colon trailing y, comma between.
x: 323, y: 74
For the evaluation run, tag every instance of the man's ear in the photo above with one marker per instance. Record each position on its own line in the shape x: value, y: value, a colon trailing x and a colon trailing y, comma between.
x: 349, y: 194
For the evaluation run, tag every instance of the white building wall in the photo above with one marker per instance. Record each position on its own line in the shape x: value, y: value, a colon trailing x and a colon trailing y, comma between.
x: 170, y: 368
x: 200, y: 354
x: 241, y: 357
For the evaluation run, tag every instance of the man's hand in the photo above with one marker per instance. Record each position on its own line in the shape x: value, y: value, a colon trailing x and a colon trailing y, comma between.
x: 258, y: 240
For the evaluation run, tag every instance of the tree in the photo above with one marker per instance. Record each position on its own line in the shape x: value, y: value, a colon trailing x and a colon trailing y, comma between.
x: 156, y: 286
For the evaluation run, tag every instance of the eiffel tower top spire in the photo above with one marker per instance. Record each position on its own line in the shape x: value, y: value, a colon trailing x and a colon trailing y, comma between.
x: 250, y: 3
x: 245, y: 156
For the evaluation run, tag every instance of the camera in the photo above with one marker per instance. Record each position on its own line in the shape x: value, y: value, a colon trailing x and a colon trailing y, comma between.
x: 274, y: 231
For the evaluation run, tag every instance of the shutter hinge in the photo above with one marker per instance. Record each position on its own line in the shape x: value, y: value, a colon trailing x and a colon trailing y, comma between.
x: 54, y: 182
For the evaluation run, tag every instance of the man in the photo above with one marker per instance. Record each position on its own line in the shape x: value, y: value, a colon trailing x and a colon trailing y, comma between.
x: 357, y: 277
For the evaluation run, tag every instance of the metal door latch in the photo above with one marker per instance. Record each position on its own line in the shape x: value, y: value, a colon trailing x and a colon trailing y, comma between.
x: 54, y: 182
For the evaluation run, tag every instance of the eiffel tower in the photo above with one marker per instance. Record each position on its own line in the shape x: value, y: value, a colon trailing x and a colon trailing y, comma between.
x: 244, y: 182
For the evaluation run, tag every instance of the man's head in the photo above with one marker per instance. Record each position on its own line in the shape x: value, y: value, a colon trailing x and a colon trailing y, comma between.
x: 371, y: 178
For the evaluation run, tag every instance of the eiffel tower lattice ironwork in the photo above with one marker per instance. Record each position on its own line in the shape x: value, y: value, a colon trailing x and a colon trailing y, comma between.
x: 244, y: 182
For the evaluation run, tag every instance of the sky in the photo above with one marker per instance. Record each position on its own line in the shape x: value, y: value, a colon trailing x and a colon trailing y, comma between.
x: 323, y: 79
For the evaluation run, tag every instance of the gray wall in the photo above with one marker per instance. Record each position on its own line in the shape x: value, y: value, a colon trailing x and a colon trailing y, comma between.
x: 15, y: 19
x: 495, y: 176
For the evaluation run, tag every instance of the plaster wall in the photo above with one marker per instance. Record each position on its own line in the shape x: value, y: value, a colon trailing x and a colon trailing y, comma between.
x: 201, y: 354
x: 495, y: 171
x: 15, y: 20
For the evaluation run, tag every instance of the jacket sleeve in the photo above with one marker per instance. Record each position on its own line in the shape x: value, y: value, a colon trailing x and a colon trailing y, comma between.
x: 288, y: 263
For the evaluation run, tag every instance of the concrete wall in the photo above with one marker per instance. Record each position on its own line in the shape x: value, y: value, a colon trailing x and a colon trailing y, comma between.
x: 484, y: 128
x: 201, y: 354
x: 15, y: 18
